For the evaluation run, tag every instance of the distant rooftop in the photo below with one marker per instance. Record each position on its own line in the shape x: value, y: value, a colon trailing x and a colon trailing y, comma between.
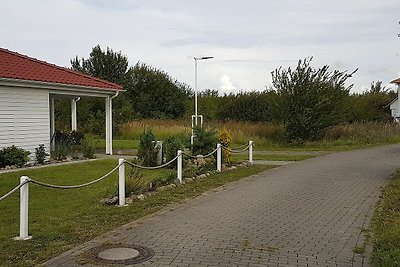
x: 21, y: 67
x: 397, y: 81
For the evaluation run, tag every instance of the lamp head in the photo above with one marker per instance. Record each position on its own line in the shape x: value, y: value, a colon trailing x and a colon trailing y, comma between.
x: 201, y: 58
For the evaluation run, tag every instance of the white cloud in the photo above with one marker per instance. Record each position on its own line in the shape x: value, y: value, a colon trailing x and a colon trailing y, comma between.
x: 226, y: 85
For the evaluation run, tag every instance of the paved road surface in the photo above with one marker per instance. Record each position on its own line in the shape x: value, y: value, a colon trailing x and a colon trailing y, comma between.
x: 307, y: 214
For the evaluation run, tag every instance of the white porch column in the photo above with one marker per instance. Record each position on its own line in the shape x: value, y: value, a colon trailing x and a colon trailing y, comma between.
x: 108, y: 125
x: 73, y: 114
x: 398, y: 101
x: 52, y: 123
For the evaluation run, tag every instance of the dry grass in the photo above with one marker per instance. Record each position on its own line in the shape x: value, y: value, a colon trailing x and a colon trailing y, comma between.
x: 241, y: 132
x: 365, y: 133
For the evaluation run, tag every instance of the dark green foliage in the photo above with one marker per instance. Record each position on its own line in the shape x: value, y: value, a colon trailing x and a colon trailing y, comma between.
x: 134, y: 183
x: 244, y: 106
x: 40, y: 153
x: 311, y: 99
x: 62, y: 145
x: 66, y: 143
x: 165, y: 180
x: 204, y: 142
x: 171, y: 146
x: 372, y: 104
x: 13, y: 156
x: 88, y: 147
x: 154, y: 94
x: 108, y: 65
x: 249, y: 106
x: 147, y: 152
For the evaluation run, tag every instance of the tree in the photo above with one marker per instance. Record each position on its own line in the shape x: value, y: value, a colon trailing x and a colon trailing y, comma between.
x: 108, y: 65
x: 249, y: 106
x: 154, y: 94
x: 372, y: 104
x: 312, y: 99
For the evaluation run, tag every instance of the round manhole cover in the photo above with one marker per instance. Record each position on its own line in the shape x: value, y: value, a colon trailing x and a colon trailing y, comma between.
x: 118, y: 254
x: 121, y: 254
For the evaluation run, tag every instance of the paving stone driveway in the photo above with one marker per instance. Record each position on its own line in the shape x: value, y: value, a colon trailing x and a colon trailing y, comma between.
x: 307, y: 214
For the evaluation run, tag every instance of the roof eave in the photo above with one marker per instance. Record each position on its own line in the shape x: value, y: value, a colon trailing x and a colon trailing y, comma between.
x: 84, y: 90
x: 396, y: 81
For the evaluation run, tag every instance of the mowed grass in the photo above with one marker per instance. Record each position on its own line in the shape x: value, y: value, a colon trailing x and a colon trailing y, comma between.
x: 386, y: 226
x: 61, y: 219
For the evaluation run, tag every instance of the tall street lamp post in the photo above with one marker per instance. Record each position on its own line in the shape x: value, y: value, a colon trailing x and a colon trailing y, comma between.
x: 196, y: 116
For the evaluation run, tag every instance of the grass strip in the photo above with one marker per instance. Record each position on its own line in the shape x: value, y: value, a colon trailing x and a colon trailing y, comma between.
x: 274, y: 157
x: 386, y: 226
x: 61, y: 219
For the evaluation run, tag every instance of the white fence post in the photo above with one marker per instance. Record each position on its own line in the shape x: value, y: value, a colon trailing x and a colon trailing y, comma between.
x: 251, y: 152
x: 219, y: 157
x: 179, y: 166
x: 23, y: 210
x: 121, y: 182
x: 160, y: 152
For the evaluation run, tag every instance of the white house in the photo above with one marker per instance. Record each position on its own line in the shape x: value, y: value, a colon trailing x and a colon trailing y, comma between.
x: 395, y: 103
x: 28, y: 88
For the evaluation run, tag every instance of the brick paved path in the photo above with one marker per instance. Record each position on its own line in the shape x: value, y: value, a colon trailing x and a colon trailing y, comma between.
x: 307, y: 214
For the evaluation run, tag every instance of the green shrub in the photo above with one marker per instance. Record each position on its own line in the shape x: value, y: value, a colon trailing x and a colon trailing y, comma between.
x: 171, y: 146
x: 13, y: 156
x: 62, y: 145
x: 225, y: 139
x: 311, y: 99
x: 165, y: 180
x: 40, y: 153
x: 75, y: 138
x: 88, y: 147
x: 147, y: 153
x: 134, y: 183
x: 204, y: 142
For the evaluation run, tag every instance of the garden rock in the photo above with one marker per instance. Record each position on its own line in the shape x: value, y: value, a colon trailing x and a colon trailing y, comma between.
x: 109, y: 201
x: 141, y: 197
x: 161, y: 188
x: 200, y: 161
x: 202, y: 176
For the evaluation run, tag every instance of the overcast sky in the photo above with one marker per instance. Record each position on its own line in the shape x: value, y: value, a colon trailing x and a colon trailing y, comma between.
x: 248, y: 39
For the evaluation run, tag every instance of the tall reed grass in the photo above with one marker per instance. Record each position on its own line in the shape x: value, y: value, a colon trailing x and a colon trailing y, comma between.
x: 365, y: 133
x: 241, y: 132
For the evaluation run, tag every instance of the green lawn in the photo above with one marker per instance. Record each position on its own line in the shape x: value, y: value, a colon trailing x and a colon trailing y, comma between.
x: 117, y: 144
x: 61, y: 219
x: 277, y: 157
x: 386, y: 226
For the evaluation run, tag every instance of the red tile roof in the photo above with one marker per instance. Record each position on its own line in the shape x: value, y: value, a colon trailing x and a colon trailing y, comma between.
x: 397, y: 81
x: 21, y: 67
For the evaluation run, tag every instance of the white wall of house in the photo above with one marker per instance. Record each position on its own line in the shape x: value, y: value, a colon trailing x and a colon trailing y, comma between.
x: 24, y: 118
x: 393, y: 108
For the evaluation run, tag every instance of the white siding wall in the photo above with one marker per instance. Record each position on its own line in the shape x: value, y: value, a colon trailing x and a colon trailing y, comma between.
x: 393, y: 108
x: 24, y: 118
